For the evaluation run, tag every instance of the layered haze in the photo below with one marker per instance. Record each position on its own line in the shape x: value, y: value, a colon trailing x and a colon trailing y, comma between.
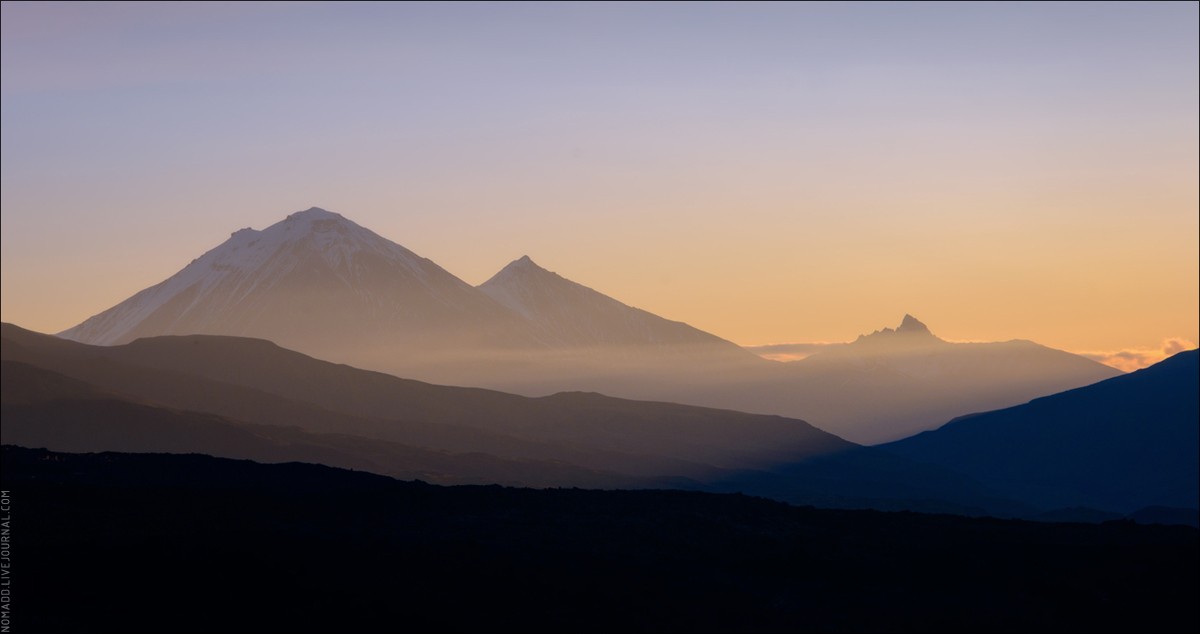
x: 319, y: 283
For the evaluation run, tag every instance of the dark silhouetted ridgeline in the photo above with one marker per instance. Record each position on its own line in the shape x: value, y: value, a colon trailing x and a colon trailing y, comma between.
x: 1118, y: 445
x: 146, y: 542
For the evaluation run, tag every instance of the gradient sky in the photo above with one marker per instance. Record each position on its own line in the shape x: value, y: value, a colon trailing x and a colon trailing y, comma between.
x: 766, y: 172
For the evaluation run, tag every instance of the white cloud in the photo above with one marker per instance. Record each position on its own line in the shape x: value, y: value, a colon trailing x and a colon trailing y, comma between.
x: 1138, y: 358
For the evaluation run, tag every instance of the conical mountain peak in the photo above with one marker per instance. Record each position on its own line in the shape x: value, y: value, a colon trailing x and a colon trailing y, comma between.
x: 314, y: 213
x: 299, y: 282
x: 519, y: 269
x: 524, y: 262
x: 317, y: 220
x: 570, y: 314
x: 316, y: 233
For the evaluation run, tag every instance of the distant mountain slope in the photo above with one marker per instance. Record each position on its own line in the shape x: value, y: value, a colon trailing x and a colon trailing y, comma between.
x: 177, y: 369
x: 254, y: 381
x: 575, y: 316
x: 884, y: 386
x: 895, y: 382
x: 46, y: 409
x: 314, y: 281
x: 394, y: 556
x: 222, y: 376
x: 1122, y: 444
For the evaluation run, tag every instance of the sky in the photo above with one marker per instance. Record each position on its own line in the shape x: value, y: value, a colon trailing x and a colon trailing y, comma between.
x: 767, y: 172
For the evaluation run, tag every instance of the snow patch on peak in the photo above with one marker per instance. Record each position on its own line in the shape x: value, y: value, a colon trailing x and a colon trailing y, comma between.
x: 520, y: 268
x: 251, y: 261
x: 314, y: 213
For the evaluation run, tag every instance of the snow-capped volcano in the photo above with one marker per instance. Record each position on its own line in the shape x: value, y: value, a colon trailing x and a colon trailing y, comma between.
x: 320, y: 284
x: 313, y: 281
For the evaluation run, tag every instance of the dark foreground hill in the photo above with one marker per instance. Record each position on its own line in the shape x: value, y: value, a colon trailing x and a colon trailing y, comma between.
x: 1118, y: 445
x: 128, y: 542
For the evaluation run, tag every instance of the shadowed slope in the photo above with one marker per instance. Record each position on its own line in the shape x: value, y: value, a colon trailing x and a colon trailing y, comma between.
x: 724, y: 438
x: 257, y: 382
x: 1119, y: 445
x: 45, y: 409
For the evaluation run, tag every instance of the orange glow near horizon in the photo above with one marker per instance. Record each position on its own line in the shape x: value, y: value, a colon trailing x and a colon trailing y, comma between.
x: 766, y: 173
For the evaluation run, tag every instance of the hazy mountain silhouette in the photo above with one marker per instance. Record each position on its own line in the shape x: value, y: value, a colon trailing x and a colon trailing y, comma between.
x: 1119, y: 445
x: 911, y: 333
x: 574, y: 316
x: 596, y: 343
x: 176, y: 531
x: 895, y: 382
x: 256, y: 382
x: 320, y: 284
x: 46, y: 409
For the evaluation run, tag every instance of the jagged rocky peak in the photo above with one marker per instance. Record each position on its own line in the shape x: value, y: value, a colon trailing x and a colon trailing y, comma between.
x: 911, y: 330
x: 912, y: 325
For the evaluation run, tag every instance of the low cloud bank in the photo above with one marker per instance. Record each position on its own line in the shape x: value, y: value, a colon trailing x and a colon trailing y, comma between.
x: 1138, y: 358
x: 790, y: 351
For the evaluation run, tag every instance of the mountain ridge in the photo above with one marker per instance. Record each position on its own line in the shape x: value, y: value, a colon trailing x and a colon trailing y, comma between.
x: 559, y: 560
x: 317, y: 283
x: 308, y: 278
x: 257, y: 382
x: 574, y: 315
x: 1118, y: 445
